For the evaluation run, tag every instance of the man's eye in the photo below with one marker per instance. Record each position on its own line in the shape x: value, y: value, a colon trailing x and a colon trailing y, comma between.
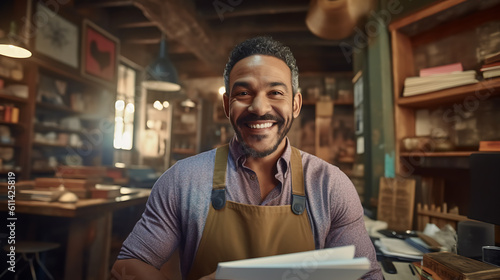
x: 276, y: 93
x: 242, y: 93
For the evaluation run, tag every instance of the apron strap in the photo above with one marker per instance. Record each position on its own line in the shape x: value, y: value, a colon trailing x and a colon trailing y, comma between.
x: 218, y: 197
x: 219, y: 180
x: 298, y: 191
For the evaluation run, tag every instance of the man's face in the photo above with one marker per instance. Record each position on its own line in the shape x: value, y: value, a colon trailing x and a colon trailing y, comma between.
x: 261, y: 105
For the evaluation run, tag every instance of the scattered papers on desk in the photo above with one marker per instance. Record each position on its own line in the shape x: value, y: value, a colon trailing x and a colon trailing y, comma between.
x: 394, y: 247
x: 317, y: 265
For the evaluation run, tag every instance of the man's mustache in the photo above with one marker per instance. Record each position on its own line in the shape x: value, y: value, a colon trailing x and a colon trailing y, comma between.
x: 253, y: 117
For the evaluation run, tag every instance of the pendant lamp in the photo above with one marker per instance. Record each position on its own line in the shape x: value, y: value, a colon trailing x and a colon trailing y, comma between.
x: 161, y: 74
x: 12, y: 46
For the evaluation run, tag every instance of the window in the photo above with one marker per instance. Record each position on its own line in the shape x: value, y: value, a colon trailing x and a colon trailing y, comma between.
x: 125, y: 108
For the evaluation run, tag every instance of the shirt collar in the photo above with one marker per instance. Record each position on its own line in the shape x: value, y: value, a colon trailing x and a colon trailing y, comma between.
x: 239, y: 157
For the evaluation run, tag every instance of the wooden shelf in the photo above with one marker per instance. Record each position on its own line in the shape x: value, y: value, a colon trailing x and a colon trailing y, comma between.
x: 19, y: 126
x: 46, y: 128
x: 482, y: 90
x: 56, y: 108
x: 49, y: 145
x: 437, y: 154
x: 66, y: 72
x: 12, y: 98
x: 10, y: 80
x: 11, y: 145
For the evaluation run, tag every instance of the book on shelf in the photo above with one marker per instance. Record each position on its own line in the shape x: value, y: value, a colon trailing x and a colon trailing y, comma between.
x: 491, y: 58
x: 490, y: 66
x: 491, y: 73
x: 9, y: 113
x: 489, y: 146
x: 421, y: 85
x: 316, y: 264
x: 452, y: 266
x: 443, y: 69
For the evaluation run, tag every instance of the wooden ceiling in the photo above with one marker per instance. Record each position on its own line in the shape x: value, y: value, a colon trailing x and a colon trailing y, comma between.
x: 201, y: 33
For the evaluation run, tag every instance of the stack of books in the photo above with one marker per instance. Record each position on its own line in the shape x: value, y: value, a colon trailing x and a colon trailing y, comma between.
x: 491, y: 67
x: 439, y: 78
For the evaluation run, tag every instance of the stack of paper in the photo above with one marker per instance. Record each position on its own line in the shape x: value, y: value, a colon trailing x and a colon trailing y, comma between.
x: 420, y: 85
x: 317, y: 264
x: 398, y: 248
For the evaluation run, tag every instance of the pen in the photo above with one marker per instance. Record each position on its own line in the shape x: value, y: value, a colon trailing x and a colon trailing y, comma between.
x: 422, y: 272
x: 411, y: 268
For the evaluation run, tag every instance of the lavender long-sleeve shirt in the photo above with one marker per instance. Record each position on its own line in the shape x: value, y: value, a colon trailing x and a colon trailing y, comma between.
x: 178, y: 206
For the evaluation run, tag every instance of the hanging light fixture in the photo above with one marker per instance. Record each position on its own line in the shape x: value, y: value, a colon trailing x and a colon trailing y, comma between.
x: 11, y: 46
x: 161, y: 74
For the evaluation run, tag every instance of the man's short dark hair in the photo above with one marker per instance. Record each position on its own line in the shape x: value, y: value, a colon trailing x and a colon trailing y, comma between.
x: 264, y: 46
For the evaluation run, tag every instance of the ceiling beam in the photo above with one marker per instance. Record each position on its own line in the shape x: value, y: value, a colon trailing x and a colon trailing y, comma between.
x: 180, y: 23
x: 129, y: 18
x: 103, y: 3
x: 241, y: 10
x: 259, y: 25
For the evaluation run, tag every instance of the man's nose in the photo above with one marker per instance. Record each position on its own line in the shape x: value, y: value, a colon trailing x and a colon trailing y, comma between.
x: 260, y: 105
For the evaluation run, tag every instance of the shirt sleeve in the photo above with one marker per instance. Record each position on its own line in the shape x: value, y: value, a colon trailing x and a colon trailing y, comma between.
x: 347, y: 224
x: 157, y: 234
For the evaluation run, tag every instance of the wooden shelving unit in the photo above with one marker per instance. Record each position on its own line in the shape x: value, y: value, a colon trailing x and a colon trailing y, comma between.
x: 26, y: 145
x: 432, y: 24
x: 19, y: 130
x: 186, y: 127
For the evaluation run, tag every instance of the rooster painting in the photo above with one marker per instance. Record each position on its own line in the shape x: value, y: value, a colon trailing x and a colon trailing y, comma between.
x: 100, y: 53
x: 103, y: 58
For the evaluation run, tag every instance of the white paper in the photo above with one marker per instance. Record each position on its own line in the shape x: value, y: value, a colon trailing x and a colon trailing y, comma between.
x: 315, y: 265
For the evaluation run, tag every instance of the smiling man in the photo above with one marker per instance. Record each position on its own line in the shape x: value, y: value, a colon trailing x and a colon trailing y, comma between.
x: 256, y: 196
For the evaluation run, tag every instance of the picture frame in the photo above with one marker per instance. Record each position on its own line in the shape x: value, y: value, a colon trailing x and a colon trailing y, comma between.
x: 100, y: 50
x: 57, y: 37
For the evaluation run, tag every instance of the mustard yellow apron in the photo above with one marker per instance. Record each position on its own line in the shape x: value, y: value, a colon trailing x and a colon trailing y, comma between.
x: 235, y: 231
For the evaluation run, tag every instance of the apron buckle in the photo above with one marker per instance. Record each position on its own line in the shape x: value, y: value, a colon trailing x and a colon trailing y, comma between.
x: 298, y: 204
x: 218, y: 198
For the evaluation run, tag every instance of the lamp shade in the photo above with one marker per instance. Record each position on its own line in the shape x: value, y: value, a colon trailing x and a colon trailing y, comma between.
x: 161, y: 74
x: 12, y: 46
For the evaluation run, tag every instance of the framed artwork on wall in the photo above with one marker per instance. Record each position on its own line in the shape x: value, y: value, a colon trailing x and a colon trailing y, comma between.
x: 56, y: 37
x: 99, y: 53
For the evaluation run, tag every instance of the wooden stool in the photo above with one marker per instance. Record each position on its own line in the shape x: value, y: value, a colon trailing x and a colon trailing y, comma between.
x: 30, y: 250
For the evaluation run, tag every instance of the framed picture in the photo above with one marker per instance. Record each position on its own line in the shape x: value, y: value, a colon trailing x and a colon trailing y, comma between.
x: 56, y: 37
x: 99, y: 53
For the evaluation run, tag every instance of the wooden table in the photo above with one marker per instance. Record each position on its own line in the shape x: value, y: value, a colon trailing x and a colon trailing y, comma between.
x: 89, y: 230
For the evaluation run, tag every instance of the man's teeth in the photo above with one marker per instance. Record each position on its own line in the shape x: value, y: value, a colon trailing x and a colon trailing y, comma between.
x: 260, y: 125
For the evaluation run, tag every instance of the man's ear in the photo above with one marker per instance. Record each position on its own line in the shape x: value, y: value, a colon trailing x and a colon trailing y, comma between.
x: 297, y: 104
x: 225, y: 104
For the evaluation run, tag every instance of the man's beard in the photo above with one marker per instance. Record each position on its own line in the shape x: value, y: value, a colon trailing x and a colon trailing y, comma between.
x: 283, y: 128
